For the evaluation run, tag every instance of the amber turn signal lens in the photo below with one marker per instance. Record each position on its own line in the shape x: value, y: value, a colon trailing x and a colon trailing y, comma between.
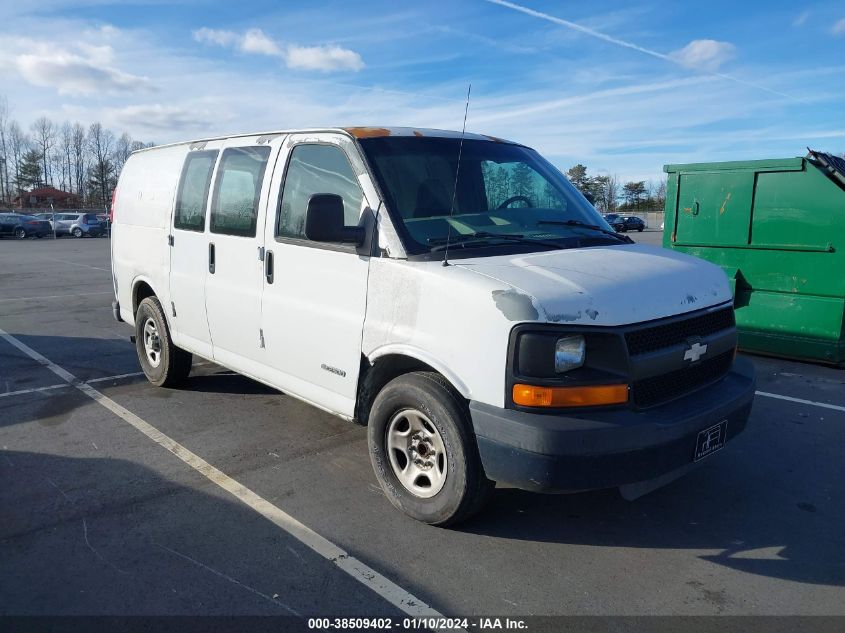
x: 591, y: 395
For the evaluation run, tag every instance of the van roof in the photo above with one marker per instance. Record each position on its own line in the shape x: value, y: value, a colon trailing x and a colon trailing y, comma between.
x: 354, y: 132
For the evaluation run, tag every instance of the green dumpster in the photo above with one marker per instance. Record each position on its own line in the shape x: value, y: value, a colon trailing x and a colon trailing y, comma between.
x: 777, y: 228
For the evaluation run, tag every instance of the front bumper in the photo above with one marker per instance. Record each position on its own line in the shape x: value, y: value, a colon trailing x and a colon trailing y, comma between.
x: 609, y: 448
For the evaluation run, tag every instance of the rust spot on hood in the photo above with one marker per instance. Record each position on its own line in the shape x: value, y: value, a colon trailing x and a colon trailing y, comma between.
x: 368, y: 132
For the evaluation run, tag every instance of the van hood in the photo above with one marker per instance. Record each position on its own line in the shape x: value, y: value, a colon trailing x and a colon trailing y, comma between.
x: 612, y: 285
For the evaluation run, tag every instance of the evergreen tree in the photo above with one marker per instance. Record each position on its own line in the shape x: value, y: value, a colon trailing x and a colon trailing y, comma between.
x: 521, y: 181
x: 29, y: 175
x: 578, y: 176
x: 101, y: 182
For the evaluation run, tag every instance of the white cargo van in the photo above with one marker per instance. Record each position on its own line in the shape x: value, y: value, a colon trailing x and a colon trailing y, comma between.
x: 489, y: 328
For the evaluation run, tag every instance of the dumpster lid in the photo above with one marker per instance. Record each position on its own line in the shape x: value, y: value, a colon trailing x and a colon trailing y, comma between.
x: 833, y: 166
x: 769, y: 164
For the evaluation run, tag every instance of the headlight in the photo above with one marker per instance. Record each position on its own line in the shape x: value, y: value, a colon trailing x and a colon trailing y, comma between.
x: 569, y: 353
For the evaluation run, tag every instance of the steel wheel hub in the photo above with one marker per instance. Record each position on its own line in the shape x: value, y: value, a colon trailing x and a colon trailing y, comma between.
x: 152, y: 342
x: 416, y: 452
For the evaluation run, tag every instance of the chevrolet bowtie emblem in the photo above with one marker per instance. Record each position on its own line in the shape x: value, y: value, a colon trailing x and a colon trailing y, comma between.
x: 695, y: 351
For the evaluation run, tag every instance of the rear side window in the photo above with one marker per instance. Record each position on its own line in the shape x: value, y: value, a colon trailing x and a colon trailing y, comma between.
x: 192, y: 197
x: 317, y: 169
x: 237, y: 190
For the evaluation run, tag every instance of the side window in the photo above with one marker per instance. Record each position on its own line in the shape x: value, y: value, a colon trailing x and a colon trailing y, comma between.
x: 234, y: 207
x: 316, y: 169
x: 192, y: 196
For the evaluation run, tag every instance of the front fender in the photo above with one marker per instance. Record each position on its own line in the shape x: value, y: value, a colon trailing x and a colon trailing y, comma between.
x: 403, y: 349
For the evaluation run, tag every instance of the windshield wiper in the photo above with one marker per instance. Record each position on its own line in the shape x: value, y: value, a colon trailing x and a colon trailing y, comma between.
x: 481, y: 237
x: 584, y: 225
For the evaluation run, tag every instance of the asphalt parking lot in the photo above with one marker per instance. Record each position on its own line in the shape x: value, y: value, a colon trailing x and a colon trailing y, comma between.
x: 100, y: 518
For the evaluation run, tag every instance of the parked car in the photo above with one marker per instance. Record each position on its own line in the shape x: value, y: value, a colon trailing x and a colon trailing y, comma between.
x: 480, y: 336
x: 616, y: 221
x: 22, y: 226
x: 78, y: 224
x: 104, y: 223
x: 633, y: 223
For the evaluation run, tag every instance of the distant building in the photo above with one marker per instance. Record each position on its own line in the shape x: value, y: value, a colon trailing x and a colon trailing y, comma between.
x: 43, y: 197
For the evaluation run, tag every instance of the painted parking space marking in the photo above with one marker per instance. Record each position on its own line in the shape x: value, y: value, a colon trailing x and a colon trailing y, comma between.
x: 65, y: 261
x: 384, y: 587
x: 79, y: 294
x: 823, y: 405
x: 22, y: 392
x: 133, y: 374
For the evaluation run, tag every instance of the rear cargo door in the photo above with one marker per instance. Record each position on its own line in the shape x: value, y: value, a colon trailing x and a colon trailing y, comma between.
x: 714, y: 210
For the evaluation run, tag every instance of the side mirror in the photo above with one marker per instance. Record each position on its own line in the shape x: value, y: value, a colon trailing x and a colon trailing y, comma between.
x: 324, y: 221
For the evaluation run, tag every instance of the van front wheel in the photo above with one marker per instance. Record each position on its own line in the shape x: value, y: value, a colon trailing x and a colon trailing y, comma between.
x: 163, y: 363
x: 423, y: 450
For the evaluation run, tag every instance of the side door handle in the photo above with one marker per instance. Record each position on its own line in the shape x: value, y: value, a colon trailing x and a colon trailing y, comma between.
x: 268, y: 266
x: 211, y: 258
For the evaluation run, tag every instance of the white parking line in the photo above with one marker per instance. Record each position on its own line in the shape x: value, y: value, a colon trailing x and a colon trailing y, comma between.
x: 823, y: 405
x: 64, y: 384
x: 33, y: 390
x: 358, y: 570
x: 79, y: 294
x: 117, y: 377
x: 92, y: 381
x: 64, y: 261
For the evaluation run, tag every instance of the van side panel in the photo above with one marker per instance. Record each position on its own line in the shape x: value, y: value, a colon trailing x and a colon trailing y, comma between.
x: 143, y: 205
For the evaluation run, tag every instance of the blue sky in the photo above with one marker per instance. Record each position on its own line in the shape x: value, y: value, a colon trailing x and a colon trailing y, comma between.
x: 623, y: 87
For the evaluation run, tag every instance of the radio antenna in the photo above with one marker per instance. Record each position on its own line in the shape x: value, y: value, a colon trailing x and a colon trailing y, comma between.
x: 457, y: 173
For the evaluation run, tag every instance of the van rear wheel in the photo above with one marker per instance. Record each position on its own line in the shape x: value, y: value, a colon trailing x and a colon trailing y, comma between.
x: 423, y: 450
x: 163, y: 363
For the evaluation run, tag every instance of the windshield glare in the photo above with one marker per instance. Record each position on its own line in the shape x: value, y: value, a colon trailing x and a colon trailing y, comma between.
x: 502, y: 189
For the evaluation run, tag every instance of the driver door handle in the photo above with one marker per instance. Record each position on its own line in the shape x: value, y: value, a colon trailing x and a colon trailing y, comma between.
x: 211, y: 258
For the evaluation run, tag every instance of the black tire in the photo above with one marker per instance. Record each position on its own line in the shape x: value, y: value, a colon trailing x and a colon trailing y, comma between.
x: 77, y: 232
x: 640, y: 229
x: 20, y: 233
x: 466, y: 488
x: 174, y: 363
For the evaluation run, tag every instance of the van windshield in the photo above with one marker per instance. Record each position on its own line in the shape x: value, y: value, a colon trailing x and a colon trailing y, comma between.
x: 507, y: 196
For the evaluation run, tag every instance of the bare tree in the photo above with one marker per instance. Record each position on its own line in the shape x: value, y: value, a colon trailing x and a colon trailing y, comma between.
x: 610, y: 193
x: 125, y: 146
x: 660, y: 193
x: 66, y: 155
x: 44, y: 137
x: 19, y: 144
x: 101, y: 147
x: 78, y: 154
x: 5, y: 189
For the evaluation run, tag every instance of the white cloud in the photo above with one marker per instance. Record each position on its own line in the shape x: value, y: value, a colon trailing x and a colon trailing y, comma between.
x: 325, y: 58
x: 839, y: 27
x: 255, y: 41
x: 215, y: 36
x: 801, y: 19
x: 87, y: 71
x: 704, y: 54
x: 162, y: 118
